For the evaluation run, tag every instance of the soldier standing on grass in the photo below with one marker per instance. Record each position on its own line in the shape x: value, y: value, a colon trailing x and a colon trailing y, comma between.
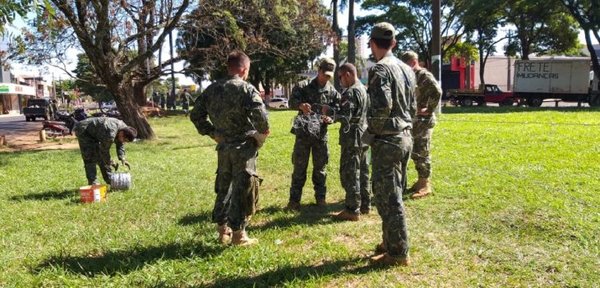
x: 310, y: 97
x: 95, y: 136
x: 391, y: 106
x: 428, y: 96
x: 354, y: 168
x: 239, y: 124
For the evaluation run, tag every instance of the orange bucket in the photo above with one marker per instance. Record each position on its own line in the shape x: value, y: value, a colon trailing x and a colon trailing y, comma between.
x: 93, y: 193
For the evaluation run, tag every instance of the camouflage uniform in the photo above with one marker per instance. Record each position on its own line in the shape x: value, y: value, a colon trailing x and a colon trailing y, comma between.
x: 392, y: 104
x: 354, y: 168
x: 95, y: 136
x: 235, y: 108
x: 428, y: 95
x: 310, y: 92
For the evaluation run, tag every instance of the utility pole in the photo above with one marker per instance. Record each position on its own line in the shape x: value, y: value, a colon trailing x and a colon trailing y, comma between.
x: 436, y: 51
x: 508, y: 78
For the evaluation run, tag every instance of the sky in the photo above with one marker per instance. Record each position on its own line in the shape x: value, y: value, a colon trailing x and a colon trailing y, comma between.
x: 50, y: 72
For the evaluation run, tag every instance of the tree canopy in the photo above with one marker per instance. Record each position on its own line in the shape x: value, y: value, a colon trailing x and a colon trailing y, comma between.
x: 281, y: 37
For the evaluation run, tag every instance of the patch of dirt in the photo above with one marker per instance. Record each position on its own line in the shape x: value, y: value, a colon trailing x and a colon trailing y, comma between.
x: 30, y: 141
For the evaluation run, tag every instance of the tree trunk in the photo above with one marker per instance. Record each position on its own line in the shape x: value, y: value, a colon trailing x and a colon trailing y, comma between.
x: 336, y: 42
x: 130, y: 111
x: 351, y: 34
x: 139, y: 93
x: 481, y: 66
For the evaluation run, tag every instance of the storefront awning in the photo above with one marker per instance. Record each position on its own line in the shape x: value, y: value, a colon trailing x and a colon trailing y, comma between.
x: 15, y: 89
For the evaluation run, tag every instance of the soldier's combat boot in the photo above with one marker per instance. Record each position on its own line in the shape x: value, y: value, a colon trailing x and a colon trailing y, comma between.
x: 422, y: 189
x: 380, y: 248
x: 224, y: 234
x: 386, y: 260
x: 321, y: 203
x: 346, y: 215
x: 240, y: 238
x: 293, y: 206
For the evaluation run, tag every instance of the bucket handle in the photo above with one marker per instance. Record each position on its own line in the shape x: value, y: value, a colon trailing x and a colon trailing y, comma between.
x: 117, y: 165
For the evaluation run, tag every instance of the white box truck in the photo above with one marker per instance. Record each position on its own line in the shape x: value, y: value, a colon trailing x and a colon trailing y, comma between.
x: 567, y: 79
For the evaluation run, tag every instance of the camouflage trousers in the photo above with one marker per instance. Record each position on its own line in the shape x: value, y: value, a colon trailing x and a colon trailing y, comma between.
x: 93, y: 155
x: 421, y: 132
x: 300, y: 156
x: 390, y: 156
x: 236, y: 167
x: 354, y: 175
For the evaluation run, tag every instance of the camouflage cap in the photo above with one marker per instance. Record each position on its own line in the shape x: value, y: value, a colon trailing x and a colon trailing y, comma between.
x: 409, y: 56
x: 328, y: 66
x: 383, y: 30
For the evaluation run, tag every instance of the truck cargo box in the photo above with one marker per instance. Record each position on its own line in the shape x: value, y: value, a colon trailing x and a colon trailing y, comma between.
x: 552, y: 76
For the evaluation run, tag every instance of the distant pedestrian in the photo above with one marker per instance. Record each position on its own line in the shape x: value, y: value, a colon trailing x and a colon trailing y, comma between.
x: 354, y: 168
x: 428, y: 96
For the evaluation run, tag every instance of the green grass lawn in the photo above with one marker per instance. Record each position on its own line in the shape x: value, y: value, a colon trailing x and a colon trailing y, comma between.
x: 516, y: 204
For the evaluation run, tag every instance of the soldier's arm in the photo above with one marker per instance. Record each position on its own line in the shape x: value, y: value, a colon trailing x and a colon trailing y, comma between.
x: 199, y: 116
x: 380, y: 99
x: 120, y: 150
x: 297, y: 100
x: 433, y: 91
x: 346, y: 107
x: 257, y: 113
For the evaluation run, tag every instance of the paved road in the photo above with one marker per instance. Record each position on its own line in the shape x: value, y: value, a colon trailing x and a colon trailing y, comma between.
x: 16, y: 125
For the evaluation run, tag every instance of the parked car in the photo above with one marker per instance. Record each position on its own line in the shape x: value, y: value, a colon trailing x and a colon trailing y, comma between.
x: 278, y: 103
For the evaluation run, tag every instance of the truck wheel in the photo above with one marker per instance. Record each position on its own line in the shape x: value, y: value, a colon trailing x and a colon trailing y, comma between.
x: 534, y: 101
x: 507, y: 102
x: 466, y: 102
x: 27, y: 119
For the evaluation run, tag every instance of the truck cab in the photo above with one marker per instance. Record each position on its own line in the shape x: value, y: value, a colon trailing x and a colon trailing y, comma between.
x: 37, y: 108
x: 486, y: 93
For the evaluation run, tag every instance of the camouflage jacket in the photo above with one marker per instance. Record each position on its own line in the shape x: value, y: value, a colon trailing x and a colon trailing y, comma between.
x: 308, y: 91
x: 234, y: 108
x: 391, y: 91
x: 353, y: 115
x: 102, y: 130
x: 428, y: 91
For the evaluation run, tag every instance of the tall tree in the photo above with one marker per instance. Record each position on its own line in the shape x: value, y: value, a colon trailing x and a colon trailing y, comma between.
x: 412, y: 19
x: 119, y: 38
x: 543, y: 26
x: 587, y: 14
x: 483, y: 31
x: 351, y: 56
x: 281, y: 37
x: 337, y: 39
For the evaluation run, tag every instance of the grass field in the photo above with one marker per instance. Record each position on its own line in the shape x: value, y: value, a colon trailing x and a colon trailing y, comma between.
x: 516, y: 205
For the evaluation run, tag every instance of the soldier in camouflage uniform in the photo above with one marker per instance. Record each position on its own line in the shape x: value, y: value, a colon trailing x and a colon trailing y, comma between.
x: 428, y: 96
x: 391, y: 106
x: 314, y: 96
x: 354, y: 169
x: 95, y: 136
x: 232, y: 113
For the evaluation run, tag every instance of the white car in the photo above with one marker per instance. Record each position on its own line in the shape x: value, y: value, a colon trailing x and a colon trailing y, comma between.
x: 278, y: 103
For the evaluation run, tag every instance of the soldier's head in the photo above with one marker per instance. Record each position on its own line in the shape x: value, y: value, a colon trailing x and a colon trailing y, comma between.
x: 126, y: 134
x: 383, y: 39
x: 326, y: 71
x: 238, y: 63
x: 410, y: 58
x: 348, y: 74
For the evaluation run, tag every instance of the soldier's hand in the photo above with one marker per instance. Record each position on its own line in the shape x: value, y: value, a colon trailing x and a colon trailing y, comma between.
x: 217, y: 139
x: 423, y: 112
x: 326, y: 119
x: 125, y: 163
x: 114, y: 164
x: 305, y: 108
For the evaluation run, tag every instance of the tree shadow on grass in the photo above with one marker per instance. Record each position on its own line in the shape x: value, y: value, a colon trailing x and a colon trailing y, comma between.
x: 286, y: 274
x: 309, y: 215
x: 123, y: 262
x: 50, y: 195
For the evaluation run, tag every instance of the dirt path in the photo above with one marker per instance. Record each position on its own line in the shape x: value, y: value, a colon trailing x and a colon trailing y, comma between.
x: 21, y: 135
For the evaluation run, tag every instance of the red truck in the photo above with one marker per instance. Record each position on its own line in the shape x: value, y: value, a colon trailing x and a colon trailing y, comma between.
x: 489, y: 94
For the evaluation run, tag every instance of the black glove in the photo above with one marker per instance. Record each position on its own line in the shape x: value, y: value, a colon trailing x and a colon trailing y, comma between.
x: 125, y: 163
